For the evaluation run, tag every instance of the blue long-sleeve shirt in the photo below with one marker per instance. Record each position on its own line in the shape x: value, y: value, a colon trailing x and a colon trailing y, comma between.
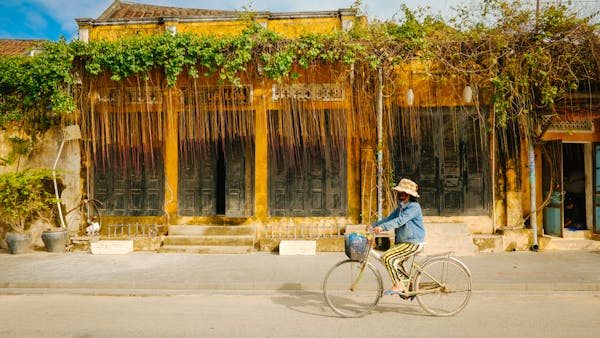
x: 407, y: 222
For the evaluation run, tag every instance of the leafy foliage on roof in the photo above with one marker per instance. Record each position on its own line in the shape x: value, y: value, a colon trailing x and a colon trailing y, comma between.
x: 526, y: 63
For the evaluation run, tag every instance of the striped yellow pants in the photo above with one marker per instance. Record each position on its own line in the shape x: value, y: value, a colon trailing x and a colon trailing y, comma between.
x: 396, y: 256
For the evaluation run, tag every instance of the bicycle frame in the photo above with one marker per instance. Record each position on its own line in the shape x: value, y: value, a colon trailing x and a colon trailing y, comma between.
x: 414, y: 267
x: 439, y: 282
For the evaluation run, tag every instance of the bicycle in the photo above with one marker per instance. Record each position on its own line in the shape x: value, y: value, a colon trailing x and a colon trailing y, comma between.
x: 440, y: 283
x: 90, y: 217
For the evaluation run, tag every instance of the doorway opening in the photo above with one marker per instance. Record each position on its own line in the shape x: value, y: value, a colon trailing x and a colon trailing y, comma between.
x: 574, y: 187
x: 220, y: 180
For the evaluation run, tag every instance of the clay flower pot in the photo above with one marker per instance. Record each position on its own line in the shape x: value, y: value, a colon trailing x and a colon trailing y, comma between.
x: 18, y: 243
x: 55, y: 240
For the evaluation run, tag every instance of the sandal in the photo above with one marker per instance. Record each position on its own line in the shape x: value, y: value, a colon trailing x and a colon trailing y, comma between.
x: 392, y: 292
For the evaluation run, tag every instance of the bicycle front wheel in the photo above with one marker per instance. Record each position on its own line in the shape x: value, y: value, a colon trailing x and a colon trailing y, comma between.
x: 351, y: 289
x: 443, y: 286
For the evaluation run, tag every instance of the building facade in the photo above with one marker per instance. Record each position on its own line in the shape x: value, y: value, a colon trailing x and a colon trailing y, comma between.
x: 271, y: 153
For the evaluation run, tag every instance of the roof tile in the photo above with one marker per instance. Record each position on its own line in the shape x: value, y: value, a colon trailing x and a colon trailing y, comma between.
x: 18, y: 46
x: 129, y: 10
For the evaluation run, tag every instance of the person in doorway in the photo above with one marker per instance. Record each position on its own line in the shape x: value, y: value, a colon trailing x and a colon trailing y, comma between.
x: 573, y: 219
x: 409, y: 231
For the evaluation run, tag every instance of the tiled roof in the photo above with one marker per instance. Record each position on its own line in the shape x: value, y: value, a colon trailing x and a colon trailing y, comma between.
x: 129, y: 10
x: 18, y: 47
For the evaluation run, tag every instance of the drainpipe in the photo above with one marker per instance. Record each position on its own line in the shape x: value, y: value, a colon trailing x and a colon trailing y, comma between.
x: 60, y: 214
x: 493, y: 172
x: 68, y: 133
x: 532, y: 197
x: 380, y: 145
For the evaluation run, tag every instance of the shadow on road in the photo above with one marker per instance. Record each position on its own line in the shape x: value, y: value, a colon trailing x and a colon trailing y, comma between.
x: 313, y: 303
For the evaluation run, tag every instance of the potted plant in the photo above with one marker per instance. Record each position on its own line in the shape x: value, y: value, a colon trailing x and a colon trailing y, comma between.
x: 24, y: 197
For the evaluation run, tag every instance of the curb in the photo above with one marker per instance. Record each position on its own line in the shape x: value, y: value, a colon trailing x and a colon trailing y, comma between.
x: 165, y: 289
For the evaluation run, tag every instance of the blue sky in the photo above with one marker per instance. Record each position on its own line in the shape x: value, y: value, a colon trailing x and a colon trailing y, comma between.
x: 49, y: 19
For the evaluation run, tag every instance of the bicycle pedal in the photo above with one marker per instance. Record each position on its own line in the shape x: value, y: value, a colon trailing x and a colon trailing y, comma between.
x: 405, y: 297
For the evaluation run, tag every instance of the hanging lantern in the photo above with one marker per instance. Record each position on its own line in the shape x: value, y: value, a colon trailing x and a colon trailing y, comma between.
x: 467, y: 94
x: 410, y: 97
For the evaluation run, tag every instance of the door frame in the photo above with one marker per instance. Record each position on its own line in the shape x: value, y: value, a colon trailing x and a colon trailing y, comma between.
x: 593, y: 193
x: 556, y: 203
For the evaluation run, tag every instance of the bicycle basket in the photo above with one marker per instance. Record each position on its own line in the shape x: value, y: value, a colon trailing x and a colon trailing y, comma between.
x: 356, y: 246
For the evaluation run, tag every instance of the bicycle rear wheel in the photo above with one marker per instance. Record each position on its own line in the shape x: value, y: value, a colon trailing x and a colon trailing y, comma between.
x: 350, y: 290
x: 443, y: 286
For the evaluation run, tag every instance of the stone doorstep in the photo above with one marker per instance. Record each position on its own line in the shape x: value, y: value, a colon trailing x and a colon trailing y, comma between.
x: 506, y: 240
x: 577, y: 234
x: 521, y: 240
x: 557, y: 243
x: 297, y: 247
x: 323, y: 244
x: 111, y: 247
x: 488, y: 243
x: 82, y: 243
x: 211, y: 230
x: 204, y: 249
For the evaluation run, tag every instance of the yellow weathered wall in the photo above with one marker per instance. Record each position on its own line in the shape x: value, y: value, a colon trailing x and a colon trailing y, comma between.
x: 297, y: 27
x: 212, y: 28
x: 290, y: 27
x: 43, y: 156
x: 415, y: 76
x: 428, y: 90
x: 115, y: 32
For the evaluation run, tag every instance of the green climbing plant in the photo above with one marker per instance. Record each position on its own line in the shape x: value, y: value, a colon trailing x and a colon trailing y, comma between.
x: 525, y: 65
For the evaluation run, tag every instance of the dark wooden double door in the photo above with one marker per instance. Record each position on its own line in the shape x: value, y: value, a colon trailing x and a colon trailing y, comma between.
x: 307, y: 176
x: 129, y: 182
x: 216, y: 178
x: 444, y: 150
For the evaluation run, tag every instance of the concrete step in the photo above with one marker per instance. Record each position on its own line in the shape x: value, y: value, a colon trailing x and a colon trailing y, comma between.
x: 557, y: 243
x: 576, y: 234
x: 209, y: 240
x: 449, y: 237
x: 489, y: 242
x: 211, y: 230
x: 203, y: 249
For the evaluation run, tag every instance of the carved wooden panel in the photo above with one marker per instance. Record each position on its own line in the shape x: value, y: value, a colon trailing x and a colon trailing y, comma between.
x: 235, y: 179
x: 213, y: 180
x: 197, y: 181
x: 136, y: 190
x: 445, y: 152
x: 307, y: 179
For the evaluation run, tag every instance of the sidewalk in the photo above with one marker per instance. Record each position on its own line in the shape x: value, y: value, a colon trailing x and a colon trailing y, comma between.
x: 153, y: 273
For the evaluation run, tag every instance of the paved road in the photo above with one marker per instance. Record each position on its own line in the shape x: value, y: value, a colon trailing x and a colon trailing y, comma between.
x: 293, y: 314
x: 154, y: 273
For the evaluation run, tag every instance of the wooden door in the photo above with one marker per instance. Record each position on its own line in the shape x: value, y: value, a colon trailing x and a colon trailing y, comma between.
x: 307, y: 179
x: 444, y: 151
x: 552, y: 185
x: 451, y: 149
x: 596, y: 230
x: 131, y: 188
x: 235, y: 179
x: 197, y: 180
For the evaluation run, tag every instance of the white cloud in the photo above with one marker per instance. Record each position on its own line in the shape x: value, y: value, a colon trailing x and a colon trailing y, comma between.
x: 65, y: 12
x: 35, y: 21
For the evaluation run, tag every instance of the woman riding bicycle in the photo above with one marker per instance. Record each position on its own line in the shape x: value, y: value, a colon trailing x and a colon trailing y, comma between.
x: 409, y: 230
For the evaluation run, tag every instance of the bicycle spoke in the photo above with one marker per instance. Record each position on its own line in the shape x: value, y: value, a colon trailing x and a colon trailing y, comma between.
x: 443, y: 287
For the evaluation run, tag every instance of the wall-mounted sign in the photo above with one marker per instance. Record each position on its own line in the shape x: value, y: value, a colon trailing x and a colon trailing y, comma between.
x: 309, y: 92
x: 130, y: 95
x: 219, y: 95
